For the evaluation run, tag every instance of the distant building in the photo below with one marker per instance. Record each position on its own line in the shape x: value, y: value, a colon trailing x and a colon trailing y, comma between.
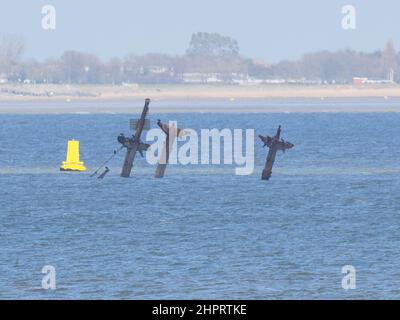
x: 193, y: 77
x: 160, y: 70
x: 378, y: 81
x: 213, y: 79
x: 3, y: 78
x: 391, y: 75
x: 245, y: 80
x: 202, y: 78
x: 357, y: 81
x: 275, y: 81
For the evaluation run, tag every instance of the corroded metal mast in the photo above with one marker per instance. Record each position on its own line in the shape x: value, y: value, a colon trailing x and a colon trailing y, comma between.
x: 274, y: 144
x: 134, y: 144
x: 171, y: 132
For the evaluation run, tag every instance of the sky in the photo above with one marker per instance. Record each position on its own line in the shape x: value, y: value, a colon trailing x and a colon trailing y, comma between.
x: 267, y: 30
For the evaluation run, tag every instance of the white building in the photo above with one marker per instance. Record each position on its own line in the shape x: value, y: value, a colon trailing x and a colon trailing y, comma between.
x: 3, y: 78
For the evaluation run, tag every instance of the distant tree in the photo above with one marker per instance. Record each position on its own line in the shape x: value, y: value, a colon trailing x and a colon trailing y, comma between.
x: 389, y: 59
x: 287, y: 69
x: 115, y: 71
x: 213, y: 53
x: 150, y: 68
x: 207, y: 53
x: 82, y: 68
x: 339, y: 66
x: 212, y: 44
x: 11, y: 49
x: 258, y: 69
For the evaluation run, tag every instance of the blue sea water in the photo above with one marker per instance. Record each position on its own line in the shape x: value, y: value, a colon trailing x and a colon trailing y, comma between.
x: 202, y: 232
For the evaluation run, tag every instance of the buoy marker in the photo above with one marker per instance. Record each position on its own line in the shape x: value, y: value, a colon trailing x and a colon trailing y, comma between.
x: 72, y: 163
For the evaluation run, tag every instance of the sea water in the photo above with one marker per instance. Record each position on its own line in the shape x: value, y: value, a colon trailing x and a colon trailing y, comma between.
x: 202, y: 231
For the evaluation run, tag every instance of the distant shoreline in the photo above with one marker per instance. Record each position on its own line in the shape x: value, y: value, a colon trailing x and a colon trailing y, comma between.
x: 54, y: 92
x: 50, y: 99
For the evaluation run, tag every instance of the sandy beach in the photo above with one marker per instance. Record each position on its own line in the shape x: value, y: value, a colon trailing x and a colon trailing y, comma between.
x: 44, y: 99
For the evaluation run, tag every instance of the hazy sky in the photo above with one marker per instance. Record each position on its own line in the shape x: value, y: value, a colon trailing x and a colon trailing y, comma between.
x: 268, y: 30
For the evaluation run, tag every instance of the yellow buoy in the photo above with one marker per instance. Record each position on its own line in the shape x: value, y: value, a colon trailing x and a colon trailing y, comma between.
x: 73, y: 162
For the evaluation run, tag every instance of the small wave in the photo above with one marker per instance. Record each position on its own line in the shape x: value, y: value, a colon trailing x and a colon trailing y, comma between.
x: 209, y: 170
x: 336, y: 171
x: 80, y: 112
x: 28, y: 170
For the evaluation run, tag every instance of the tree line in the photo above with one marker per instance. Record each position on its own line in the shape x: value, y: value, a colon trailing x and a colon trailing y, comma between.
x: 207, y: 53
